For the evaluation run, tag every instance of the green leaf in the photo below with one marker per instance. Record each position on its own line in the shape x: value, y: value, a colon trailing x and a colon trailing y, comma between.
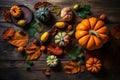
x: 72, y: 57
x: 76, y: 53
x: 80, y: 55
x: 29, y: 64
x: 39, y: 27
x: 82, y: 61
x: 71, y: 32
x: 81, y: 14
x: 31, y: 31
x: 86, y: 12
x: 87, y: 7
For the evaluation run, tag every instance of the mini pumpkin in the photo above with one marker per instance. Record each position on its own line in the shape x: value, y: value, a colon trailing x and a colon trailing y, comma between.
x: 15, y: 11
x: 91, y: 33
x: 43, y: 14
x: 66, y: 14
x: 93, y: 64
x: 62, y: 38
x: 52, y: 61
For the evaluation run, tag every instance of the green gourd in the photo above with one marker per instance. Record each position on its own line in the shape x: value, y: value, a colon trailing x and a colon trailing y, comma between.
x: 43, y: 14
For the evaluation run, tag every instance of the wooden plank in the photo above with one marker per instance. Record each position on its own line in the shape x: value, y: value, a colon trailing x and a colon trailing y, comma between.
x: 9, y: 74
x: 20, y: 65
x: 13, y: 64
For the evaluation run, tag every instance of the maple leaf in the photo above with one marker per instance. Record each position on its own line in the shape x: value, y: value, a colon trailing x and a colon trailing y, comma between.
x: 33, y: 51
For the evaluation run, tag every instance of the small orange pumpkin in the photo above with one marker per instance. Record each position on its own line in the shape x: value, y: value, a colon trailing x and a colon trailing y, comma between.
x: 15, y: 11
x: 91, y: 33
x: 93, y: 64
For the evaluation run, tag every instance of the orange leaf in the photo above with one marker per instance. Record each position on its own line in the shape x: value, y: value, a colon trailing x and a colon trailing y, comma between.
x: 36, y: 55
x: 33, y: 51
x: 72, y: 67
x: 7, y: 34
x: 18, y: 39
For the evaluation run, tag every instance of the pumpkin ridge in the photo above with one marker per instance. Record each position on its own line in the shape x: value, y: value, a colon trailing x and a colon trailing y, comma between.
x: 86, y: 24
x: 104, y: 37
x: 80, y: 33
x: 98, y: 25
x: 92, y: 26
x: 102, y: 30
x: 91, y: 42
x: 85, y: 40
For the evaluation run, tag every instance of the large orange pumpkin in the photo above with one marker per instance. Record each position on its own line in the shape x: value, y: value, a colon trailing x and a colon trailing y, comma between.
x: 91, y: 33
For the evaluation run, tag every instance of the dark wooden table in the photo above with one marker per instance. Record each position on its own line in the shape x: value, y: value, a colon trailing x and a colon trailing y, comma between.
x: 12, y: 64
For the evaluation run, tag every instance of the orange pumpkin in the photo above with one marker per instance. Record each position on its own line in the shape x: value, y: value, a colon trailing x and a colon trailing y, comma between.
x: 91, y: 33
x: 93, y: 64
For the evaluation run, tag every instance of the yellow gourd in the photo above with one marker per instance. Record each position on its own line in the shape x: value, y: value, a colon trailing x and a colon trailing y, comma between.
x: 44, y: 36
x: 60, y: 24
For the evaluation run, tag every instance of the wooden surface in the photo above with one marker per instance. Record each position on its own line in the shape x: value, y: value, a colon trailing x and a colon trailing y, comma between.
x: 12, y: 64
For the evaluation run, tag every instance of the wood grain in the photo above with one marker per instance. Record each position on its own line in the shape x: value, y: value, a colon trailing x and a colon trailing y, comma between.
x: 12, y: 64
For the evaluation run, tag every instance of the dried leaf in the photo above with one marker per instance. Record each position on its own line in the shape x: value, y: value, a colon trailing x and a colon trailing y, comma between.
x: 41, y: 4
x: 33, y: 51
x: 72, y: 67
x: 115, y: 32
x: 55, y: 50
x: 6, y: 15
x: 56, y: 9
x: 47, y: 72
x: 20, y: 39
x: 35, y: 55
x: 8, y: 34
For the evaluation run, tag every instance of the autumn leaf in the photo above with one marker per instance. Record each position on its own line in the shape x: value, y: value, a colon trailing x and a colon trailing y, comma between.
x: 7, y: 34
x: 6, y: 15
x: 33, y: 51
x: 72, y: 67
x: 20, y: 39
x: 115, y: 32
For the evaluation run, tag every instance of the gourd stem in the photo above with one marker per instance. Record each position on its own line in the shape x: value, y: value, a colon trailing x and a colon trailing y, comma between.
x: 94, y: 33
x: 43, y: 14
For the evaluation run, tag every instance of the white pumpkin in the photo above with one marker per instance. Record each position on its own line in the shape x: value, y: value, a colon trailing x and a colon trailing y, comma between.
x: 62, y: 38
x: 66, y: 14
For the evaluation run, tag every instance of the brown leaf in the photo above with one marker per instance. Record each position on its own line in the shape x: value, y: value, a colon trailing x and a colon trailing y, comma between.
x: 72, y: 67
x: 35, y: 55
x: 33, y: 51
x: 6, y: 15
x: 115, y: 32
x: 55, y: 50
x: 8, y: 34
x: 47, y: 72
x: 20, y: 39
x: 41, y: 4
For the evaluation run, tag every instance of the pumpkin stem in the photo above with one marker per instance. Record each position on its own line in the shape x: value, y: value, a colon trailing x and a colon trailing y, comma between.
x: 94, y: 33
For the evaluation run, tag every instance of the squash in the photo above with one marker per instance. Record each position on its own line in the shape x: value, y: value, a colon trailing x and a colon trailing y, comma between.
x: 15, y: 11
x: 93, y: 64
x: 52, y: 61
x: 60, y: 24
x: 91, y: 33
x: 66, y: 14
x: 44, y: 37
x: 62, y: 38
x: 43, y: 14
